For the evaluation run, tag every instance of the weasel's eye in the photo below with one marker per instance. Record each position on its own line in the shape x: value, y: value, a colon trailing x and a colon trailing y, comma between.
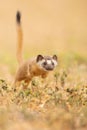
x: 45, y: 63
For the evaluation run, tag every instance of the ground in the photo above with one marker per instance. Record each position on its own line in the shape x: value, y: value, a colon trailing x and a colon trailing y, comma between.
x: 59, y: 102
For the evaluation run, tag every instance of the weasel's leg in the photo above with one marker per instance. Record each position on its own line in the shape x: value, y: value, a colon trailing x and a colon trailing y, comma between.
x: 16, y: 85
x: 44, y: 75
x: 26, y: 83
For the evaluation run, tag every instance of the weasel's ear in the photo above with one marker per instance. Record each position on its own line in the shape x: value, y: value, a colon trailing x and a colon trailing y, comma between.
x: 39, y: 58
x: 55, y: 57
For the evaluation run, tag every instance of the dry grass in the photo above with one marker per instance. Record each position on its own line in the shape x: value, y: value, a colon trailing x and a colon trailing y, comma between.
x: 58, y: 103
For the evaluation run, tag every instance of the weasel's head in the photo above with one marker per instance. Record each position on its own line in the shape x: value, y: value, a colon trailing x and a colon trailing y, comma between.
x: 47, y: 63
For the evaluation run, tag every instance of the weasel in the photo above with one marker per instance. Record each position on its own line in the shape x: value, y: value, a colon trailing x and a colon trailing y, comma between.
x: 38, y: 66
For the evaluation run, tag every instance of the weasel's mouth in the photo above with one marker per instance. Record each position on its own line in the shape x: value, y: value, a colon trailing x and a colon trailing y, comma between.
x: 49, y: 69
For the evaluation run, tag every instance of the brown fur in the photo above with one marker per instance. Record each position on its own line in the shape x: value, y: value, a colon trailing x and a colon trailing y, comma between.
x: 19, y: 38
x: 30, y: 68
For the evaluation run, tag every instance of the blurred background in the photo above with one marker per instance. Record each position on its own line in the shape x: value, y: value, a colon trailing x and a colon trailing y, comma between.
x: 49, y: 27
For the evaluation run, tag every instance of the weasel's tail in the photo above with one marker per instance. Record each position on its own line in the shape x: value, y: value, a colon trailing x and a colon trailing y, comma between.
x: 19, y: 38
